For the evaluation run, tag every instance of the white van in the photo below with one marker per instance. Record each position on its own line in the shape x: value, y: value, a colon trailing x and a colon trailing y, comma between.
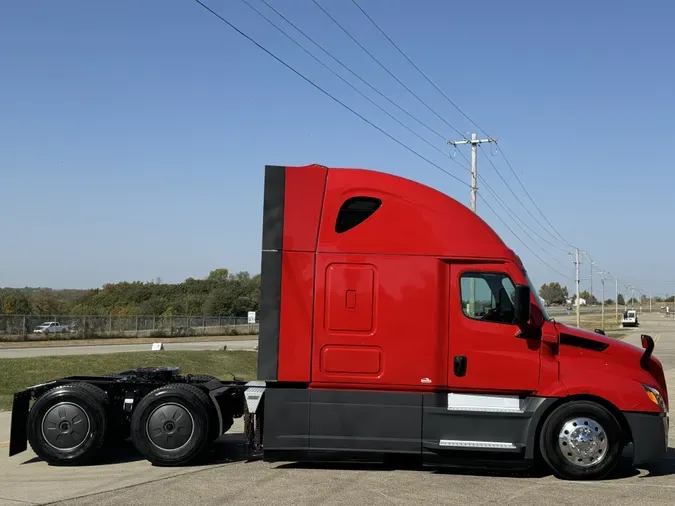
x: 630, y: 318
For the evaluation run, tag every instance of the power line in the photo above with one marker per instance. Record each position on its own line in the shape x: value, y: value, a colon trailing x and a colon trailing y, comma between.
x: 529, y: 197
x: 348, y: 69
x: 347, y: 82
x: 522, y: 242
x: 325, y: 92
x: 521, y: 203
x: 452, y: 103
x: 385, y: 68
x: 514, y: 217
x: 475, y: 144
x: 417, y: 68
x: 249, y: 38
x: 463, y: 114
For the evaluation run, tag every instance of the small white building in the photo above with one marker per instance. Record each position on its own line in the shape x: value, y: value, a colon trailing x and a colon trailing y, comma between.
x: 582, y: 302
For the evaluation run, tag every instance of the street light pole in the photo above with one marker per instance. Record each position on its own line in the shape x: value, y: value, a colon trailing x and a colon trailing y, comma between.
x: 616, y: 300
x: 625, y: 302
x: 602, y: 303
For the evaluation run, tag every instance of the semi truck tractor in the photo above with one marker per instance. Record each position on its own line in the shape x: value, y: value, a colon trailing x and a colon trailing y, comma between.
x: 394, y: 323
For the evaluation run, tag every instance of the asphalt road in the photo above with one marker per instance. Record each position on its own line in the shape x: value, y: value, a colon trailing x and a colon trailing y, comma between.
x: 122, y: 478
x: 35, y: 351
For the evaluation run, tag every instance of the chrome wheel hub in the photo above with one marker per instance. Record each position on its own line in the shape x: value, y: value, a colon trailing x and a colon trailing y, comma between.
x: 583, y: 442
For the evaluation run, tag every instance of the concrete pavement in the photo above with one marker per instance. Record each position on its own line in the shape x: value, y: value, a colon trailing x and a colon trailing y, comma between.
x: 44, y: 351
x: 28, y: 480
x: 122, y: 478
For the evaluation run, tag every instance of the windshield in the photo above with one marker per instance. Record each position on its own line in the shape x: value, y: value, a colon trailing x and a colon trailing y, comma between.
x: 535, y: 292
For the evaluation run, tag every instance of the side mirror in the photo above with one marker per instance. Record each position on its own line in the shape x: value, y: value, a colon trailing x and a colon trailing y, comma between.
x: 536, y: 317
x: 522, y: 304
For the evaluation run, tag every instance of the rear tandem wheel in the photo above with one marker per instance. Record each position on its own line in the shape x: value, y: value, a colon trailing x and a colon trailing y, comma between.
x: 173, y: 424
x: 67, y: 425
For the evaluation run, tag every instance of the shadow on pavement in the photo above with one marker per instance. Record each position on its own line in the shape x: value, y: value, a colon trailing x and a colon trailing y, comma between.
x: 122, y: 452
x: 624, y: 470
x: 231, y: 448
x: 226, y: 449
x: 665, y: 466
x: 409, y: 463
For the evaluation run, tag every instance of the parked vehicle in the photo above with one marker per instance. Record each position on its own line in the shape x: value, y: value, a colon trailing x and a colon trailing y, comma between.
x: 630, y: 318
x: 50, y: 328
x: 485, y: 378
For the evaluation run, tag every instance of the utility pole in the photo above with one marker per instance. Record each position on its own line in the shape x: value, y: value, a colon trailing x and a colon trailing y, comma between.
x: 592, y: 263
x: 625, y: 302
x: 474, y: 141
x: 616, y: 300
x: 602, y: 281
x: 631, y: 289
x: 576, y: 264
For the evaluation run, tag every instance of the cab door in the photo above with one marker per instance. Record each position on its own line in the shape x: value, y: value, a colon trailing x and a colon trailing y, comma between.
x: 488, y: 352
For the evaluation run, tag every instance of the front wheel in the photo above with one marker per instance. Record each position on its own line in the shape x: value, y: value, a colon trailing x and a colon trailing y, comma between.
x: 581, y: 440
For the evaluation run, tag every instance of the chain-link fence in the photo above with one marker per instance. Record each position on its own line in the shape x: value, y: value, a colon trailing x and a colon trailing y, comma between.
x: 23, y: 327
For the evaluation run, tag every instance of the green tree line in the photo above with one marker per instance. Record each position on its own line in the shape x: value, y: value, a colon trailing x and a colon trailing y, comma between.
x: 221, y: 293
x: 555, y: 293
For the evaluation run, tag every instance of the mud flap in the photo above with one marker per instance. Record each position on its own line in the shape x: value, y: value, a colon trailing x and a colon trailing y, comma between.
x: 18, y: 439
x: 253, y: 416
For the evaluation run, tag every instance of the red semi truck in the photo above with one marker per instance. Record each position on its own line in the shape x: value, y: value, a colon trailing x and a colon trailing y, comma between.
x: 394, y: 323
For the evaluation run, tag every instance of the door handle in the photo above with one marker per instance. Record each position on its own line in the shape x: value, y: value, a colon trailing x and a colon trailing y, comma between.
x: 460, y: 365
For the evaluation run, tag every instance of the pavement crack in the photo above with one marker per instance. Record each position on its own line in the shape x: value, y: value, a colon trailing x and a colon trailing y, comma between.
x: 18, y: 501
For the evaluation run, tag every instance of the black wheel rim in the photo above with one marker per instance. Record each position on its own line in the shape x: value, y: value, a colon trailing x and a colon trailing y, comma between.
x: 170, y: 427
x: 65, y: 426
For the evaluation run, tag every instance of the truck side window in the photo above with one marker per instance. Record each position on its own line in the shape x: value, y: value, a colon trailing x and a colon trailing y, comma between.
x: 488, y: 296
x: 354, y: 211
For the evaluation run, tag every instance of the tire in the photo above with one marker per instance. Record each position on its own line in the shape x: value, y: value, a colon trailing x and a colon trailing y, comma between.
x: 67, y: 425
x: 228, y: 421
x: 581, y: 440
x: 179, y: 410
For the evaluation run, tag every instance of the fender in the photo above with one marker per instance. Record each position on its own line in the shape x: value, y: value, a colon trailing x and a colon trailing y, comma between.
x: 616, y: 384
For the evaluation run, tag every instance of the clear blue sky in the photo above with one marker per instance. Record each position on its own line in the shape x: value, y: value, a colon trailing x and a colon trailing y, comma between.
x: 134, y: 134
